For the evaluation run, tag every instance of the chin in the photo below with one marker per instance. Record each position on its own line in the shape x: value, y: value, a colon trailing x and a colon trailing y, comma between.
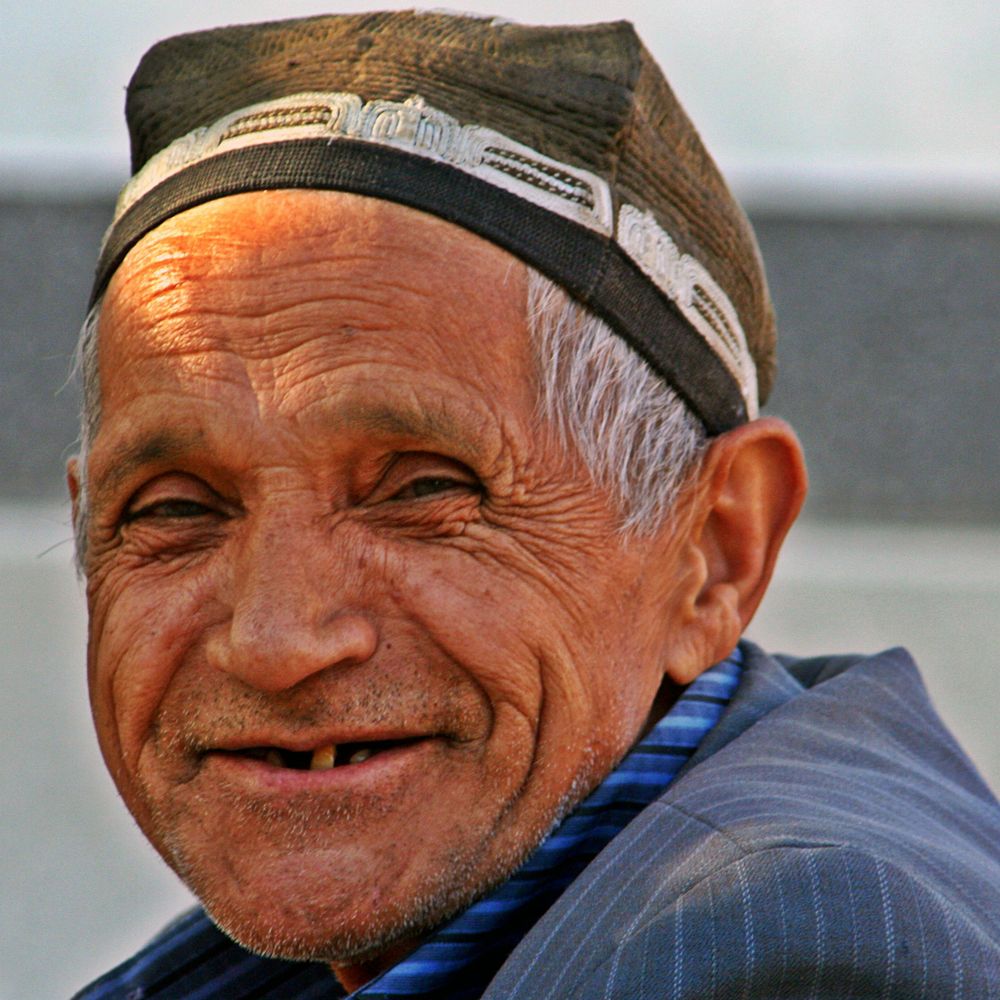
x: 335, y: 933
x: 330, y: 941
x: 299, y: 911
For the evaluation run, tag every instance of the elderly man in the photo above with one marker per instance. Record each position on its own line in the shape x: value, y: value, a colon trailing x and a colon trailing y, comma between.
x: 422, y: 502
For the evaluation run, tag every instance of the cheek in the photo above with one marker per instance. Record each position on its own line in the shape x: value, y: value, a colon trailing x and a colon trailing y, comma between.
x: 577, y: 655
x: 539, y: 665
x: 482, y: 619
x: 141, y: 626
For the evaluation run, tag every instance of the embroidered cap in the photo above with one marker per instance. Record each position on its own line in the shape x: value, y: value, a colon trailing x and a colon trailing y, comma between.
x: 564, y: 145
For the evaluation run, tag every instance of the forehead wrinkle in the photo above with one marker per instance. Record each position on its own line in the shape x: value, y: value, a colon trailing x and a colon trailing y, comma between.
x: 471, y: 432
x: 268, y: 331
x: 172, y: 261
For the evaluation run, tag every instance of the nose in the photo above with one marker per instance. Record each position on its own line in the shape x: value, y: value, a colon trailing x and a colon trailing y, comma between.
x: 291, y: 614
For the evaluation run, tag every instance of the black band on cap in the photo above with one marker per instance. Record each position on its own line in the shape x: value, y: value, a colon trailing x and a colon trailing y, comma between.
x: 589, y: 265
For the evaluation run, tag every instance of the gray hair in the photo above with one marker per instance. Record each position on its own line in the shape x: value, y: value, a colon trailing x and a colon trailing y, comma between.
x: 85, y: 370
x: 637, y: 437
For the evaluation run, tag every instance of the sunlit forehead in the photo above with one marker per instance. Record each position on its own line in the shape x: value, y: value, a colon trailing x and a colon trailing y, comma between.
x: 327, y: 312
x: 267, y: 273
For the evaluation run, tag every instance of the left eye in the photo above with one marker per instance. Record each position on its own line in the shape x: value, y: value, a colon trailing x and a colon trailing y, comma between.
x: 427, y: 486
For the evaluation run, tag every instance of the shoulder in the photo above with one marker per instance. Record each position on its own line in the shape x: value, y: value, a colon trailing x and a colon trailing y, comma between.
x: 191, y: 957
x: 834, y: 843
x: 819, y: 921
x: 688, y: 908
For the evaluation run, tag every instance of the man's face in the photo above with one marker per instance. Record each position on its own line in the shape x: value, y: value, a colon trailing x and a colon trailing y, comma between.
x: 325, y: 515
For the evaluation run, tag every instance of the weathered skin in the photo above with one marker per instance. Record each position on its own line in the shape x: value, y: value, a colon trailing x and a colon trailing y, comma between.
x: 322, y: 510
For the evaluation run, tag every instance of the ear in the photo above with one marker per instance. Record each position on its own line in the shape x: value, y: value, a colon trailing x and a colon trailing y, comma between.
x: 73, y: 485
x: 749, y: 490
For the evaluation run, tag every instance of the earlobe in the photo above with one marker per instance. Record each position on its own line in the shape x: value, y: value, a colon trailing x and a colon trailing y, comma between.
x: 750, y: 490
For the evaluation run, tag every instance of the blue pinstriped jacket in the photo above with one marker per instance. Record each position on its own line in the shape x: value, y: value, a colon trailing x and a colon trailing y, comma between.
x: 828, y: 840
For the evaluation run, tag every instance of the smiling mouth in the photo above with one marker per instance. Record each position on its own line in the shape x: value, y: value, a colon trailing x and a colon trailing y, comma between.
x: 323, y: 758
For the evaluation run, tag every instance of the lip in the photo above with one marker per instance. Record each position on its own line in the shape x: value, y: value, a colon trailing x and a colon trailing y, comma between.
x: 254, y: 776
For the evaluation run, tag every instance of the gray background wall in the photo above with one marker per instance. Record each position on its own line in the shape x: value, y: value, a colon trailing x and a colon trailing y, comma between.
x: 860, y: 133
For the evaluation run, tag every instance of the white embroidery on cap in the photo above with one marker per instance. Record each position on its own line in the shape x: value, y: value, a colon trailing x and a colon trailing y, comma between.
x: 411, y: 125
x: 687, y: 283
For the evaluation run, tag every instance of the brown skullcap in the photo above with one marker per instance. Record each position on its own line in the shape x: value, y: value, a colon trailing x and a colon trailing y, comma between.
x: 565, y: 145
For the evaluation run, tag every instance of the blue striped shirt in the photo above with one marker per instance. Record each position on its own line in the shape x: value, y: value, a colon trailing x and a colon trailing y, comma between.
x: 191, y: 959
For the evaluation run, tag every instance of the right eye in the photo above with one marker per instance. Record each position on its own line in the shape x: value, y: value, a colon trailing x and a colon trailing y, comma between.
x: 174, y: 497
x: 168, y: 509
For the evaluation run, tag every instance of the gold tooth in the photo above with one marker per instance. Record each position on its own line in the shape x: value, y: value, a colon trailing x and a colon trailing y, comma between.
x: 323, y: 758
x: 359, y: 756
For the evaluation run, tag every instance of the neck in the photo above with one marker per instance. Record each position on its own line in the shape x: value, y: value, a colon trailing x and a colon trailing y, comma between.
x: 353, y: 975
x: 666, y: 696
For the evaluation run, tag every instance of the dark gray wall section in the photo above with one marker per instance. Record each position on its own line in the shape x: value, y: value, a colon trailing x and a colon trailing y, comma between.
x: 889, y: 362
x: 47, y: 257
x: 889, y: 355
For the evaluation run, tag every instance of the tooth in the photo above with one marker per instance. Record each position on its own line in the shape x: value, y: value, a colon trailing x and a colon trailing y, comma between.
x: 273, y: 757
x: 323, y: 758
x: 359, y: 756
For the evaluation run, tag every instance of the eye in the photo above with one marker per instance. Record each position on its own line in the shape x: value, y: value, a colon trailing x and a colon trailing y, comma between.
x: 420, y: 475
x: 173, y: 498
x: 169, y: 509
x: 427, y: 486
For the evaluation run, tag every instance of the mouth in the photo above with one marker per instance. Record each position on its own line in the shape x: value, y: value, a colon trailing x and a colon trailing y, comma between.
x: 322, y: 758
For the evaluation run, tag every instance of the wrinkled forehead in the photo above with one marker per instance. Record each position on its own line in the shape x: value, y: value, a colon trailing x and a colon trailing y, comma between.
x: 311, y: 275
x: 274, y: 240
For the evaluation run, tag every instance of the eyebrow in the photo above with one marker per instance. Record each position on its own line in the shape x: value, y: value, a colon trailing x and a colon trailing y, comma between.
x: 434, y: 425
x: 418, y: 423
x: 157, y: 447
